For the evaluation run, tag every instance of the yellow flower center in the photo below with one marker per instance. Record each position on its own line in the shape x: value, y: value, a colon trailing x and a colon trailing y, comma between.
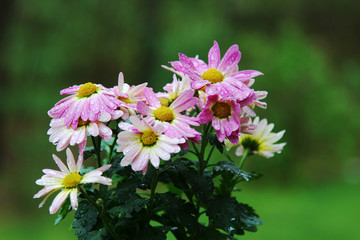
x: 148, y: 138
x: 221, y: 109
x: 72, y: 180
x: 212, y: 75
x: 250, y: 142
x: 164, y: 114
x: 82, y: 122
x: 124, y: 99
x: 87, y: 89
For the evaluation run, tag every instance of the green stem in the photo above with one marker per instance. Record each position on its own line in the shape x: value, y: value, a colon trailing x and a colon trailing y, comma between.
x: 152, y: 194
x: 209, y: 156
x: 202, y: 164
x: 97, y: 149
x: 101, y: 212
x: 247, y: 151
x: 112, y: 148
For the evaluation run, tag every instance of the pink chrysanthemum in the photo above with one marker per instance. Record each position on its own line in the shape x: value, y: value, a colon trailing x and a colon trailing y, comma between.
x: 68, y: 180
x: 129, y: 96
x: 89, y: 102
x: 62, y: 136
x: 224, y: 117
x: 142, y: 143
x: 176, y: 124
x: 218, y: 76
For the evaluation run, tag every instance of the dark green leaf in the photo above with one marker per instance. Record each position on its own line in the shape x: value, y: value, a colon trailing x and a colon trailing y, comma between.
x: 152, y: 233
x: 85, y: 218
x: 134, y: 203
x: 231, y: 216
x: 213, y: 140
x: 231, y: 168
x: 89, y: 152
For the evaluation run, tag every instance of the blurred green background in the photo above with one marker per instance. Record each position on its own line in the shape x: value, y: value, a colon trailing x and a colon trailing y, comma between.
x: 308, y: 50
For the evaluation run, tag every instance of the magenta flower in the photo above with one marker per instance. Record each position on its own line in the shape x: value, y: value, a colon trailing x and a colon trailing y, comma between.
x: 224, y: 117
x: 62, y: 136
x: 89, y: 102
x: 68, y: 180
x: 219, y: 76
x: 142, y: 143
x: 176, y: 124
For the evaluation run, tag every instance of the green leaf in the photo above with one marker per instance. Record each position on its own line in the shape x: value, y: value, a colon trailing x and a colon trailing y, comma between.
x: 86, y: 217
x: 152, y: 233
x: 89, y: 152
x: 177, y: 211
x: 100, y: 234
x: 226, y: 213
x: 134, y: 203
x: 231, y: 168
x: 213, y: 140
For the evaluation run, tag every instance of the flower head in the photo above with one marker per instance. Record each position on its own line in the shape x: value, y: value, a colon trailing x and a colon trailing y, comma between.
x: 68, y: 180
x: 62, y: 136
x: 89, y: 102
x: 176, y: 125
x: 224, y: 116
x: 219, y: 76
x: 129, y: 96
x: 142, y: 143
x: 262, y: 142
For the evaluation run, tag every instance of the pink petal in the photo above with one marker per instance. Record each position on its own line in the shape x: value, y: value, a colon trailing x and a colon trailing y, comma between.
x: 205, y: 116
x: 151, y: 97
x: 184, y: 101
x: 245, y: 75
x: 143, y: 108
x: 230, y: 59
x: 214, y: 56
x: 178, y: 66
x: 188, y: 64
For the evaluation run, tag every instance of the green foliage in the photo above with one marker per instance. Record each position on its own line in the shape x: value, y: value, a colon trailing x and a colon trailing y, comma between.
x: 234, y: 218
x: 86, y: 217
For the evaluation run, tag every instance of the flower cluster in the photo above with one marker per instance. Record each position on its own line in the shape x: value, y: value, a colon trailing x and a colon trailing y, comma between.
x: 141, y: 127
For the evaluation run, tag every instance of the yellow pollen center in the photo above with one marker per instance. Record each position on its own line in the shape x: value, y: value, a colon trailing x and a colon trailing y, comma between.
x: 82, y: 122
x: 72, y: 180
x: 221, y: 109
x: 87, y: 89
x: 164, y: 114
x: 212, y: 75
x: 124, y: 99
x: 148, y: 138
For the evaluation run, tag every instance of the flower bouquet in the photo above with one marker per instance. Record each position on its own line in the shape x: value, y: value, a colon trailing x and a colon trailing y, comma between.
x: 156, y: 173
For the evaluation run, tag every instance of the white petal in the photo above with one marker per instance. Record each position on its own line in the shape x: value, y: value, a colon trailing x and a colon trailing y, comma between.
x: 70, y: 160
x: 74, y: 198
x: 58, y: 201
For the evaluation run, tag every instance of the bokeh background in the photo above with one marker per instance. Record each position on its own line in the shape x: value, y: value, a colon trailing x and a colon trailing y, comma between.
x: 308, y: 50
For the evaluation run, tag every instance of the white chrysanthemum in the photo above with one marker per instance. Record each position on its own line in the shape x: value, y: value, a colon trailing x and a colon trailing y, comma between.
x: 142, y: 143
x: 262, y: 142
x: 68, y: 180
